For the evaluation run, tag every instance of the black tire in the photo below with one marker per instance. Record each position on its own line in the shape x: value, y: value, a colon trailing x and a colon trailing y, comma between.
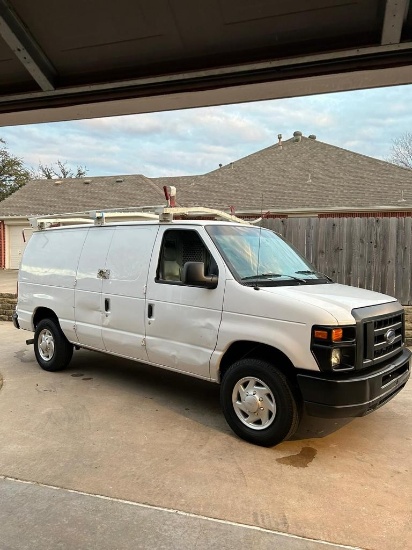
x: 52, y: 349
x: 246, y: 385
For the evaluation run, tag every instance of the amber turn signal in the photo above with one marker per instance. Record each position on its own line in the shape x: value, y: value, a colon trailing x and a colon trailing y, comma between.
x: 337, y: 334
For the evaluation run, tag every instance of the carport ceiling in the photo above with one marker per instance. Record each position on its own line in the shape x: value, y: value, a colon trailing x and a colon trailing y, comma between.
x: 76, y: 58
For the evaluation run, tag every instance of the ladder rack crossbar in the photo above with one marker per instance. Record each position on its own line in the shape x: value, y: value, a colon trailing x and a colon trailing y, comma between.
x: 160, y: 213
x: 203, y: 210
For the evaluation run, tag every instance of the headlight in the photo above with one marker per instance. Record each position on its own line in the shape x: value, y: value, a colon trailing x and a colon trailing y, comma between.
x: 334, y: 348
x: 336, y: 358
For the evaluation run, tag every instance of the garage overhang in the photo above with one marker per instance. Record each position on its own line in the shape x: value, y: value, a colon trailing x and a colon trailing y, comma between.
x: 75, y: 59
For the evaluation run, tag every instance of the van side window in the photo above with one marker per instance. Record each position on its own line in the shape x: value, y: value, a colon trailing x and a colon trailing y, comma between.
x: 178, y: 247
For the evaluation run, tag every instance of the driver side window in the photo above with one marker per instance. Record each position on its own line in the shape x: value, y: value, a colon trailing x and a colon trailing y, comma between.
x: 178, y: 247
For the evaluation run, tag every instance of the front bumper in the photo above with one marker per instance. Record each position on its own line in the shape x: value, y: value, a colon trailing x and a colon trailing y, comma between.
x: 343, y: 396
x: 15, y: 319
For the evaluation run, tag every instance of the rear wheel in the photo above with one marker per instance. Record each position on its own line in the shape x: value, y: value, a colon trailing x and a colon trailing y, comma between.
x: 52, y: 349
x: 259, y: 403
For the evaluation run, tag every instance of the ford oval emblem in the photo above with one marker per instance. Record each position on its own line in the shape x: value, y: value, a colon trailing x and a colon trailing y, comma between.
x: 390, y: 336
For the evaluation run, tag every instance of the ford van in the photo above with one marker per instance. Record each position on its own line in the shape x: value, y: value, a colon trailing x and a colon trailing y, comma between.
x: 227, y: 302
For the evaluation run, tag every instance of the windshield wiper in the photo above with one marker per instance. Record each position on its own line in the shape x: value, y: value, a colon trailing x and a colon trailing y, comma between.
x: 307, y: 272
x: 261, y: 276
x: 271, y: 276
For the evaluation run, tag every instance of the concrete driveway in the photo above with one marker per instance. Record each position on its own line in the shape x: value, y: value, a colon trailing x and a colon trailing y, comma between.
x: 115, y: 454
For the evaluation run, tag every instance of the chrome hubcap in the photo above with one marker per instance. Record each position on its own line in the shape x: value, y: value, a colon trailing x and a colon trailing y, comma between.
x: 254, y: 403
x: 46, y: 345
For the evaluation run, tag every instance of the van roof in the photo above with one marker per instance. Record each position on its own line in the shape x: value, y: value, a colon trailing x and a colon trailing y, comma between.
x: 172, y: 223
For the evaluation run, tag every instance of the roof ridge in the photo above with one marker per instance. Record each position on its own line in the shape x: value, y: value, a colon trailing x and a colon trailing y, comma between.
x: 274, y: 145
x: 87, y: 178
x: 374, y: 159
x: 178, y: 177
x: 308, y: 139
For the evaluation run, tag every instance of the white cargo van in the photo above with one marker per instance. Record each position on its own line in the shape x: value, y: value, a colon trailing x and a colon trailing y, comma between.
x: 227, y: 302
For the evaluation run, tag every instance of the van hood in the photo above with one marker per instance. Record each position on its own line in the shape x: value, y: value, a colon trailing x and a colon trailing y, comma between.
x: 338, y: 300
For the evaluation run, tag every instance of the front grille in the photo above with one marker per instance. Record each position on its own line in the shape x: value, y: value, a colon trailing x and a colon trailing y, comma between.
x: 380, y: 331
x: 383, y: 327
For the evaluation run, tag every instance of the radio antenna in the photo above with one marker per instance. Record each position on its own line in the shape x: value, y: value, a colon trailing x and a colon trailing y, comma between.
x: 260, y: 239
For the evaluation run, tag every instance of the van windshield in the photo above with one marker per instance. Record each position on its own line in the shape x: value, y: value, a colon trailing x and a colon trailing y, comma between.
x: 259, y: 256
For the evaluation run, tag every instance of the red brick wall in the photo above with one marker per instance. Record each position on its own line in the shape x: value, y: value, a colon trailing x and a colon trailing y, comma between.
x: 366, y: 214
x: 2, y: 245
x: 265, y: 216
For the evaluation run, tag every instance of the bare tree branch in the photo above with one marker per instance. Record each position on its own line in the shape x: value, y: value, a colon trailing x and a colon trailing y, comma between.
x: 401, y: 152
x: 60, y: 171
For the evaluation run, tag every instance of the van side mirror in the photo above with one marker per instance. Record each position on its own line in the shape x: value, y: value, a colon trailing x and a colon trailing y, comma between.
x: 194, y: 274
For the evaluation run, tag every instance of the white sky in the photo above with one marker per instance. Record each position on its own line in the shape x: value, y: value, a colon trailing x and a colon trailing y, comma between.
x: 195, y: 141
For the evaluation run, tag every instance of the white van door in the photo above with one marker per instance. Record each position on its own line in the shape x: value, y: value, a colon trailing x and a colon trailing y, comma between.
x: 124, y: 290
x: 182, y: 321
x: 88, y: 302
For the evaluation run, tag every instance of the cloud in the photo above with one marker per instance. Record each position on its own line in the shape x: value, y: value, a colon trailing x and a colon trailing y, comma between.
x: 195, y: 141
x: 135, y: 125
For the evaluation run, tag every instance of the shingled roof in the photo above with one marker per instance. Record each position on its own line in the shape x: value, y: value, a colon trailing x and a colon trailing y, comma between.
x: 301, y: 173
x: 79, y: 194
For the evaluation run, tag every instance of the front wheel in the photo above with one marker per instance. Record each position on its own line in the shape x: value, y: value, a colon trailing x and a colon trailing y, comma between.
x: 259, y: 402
x: 52, y: 349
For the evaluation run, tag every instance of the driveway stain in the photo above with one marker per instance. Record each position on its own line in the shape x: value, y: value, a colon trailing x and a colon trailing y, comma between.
x: 49, y: 389
x: 71, y: 418
x: 300, y: 460
x: 77, y: 375
x: 21, y: 355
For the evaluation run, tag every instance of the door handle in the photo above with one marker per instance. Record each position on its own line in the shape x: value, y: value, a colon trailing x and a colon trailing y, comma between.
x: 107, y: 305
x: 103, y: 274
x: 150, y: 309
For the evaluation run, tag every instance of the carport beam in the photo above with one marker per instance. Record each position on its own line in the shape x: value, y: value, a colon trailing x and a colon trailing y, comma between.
x: 395, y: 15
x: 17, y: 37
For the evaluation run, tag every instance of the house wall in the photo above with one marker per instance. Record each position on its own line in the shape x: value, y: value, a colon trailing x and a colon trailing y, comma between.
x: 367, y: 252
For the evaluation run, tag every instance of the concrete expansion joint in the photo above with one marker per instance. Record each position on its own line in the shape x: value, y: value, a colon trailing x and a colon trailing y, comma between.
x: 183, y: 513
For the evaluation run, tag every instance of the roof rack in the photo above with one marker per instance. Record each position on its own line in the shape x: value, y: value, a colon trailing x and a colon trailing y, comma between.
x: 46, y: 222
x: 101, y: 217
x: 164, y: 214
x: 167, y: 214
x: 93, y: 217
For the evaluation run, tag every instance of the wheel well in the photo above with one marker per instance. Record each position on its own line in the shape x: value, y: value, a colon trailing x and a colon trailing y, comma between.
x: 240, y: 350
x: 43, y: 313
